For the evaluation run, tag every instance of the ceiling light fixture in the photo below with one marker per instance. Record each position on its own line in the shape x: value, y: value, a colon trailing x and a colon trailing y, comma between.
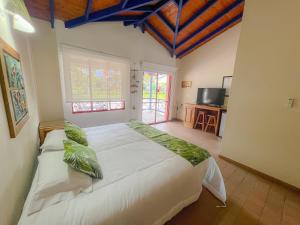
x: 21, y: 18
x: 22, y: 24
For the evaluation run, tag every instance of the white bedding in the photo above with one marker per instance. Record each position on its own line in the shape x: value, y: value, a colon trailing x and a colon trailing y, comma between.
x: 143, y: 183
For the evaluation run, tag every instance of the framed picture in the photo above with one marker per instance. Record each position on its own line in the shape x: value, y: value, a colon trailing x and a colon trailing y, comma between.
x: 227, y: 84
x: 186, y: 84
x: 13, y: 89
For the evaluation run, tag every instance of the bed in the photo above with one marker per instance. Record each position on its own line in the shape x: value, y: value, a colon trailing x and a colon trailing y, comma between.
x: 143, y: 183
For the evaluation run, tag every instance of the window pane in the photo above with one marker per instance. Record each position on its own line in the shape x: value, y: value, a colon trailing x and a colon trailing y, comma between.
x: 80, y: 81
x: 162, y: 92
x: 115, y: 84
x: 117, y: 105
x: 90, y: 76
x: 99, y: 82
x: 100, y: 106
x: 82, y: 107
x: 97, y: 106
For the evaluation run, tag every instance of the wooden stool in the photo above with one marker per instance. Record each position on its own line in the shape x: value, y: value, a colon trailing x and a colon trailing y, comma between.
x: 211, y: 122
x: 200, y: 119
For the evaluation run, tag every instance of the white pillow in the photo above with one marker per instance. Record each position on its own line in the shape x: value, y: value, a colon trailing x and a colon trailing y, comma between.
x: 54, y: 141
x: 57, y: 182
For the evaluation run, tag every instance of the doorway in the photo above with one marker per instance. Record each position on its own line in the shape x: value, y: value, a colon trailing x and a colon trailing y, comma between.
x: 156, y: 97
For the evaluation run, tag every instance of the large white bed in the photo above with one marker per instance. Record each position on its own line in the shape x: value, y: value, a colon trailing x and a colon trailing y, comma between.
x: 143, y: 183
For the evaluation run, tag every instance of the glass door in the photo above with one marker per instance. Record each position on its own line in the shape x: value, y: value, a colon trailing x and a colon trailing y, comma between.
x: 156, y: 97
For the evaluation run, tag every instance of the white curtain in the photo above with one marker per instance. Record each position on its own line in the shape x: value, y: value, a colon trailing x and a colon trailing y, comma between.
x: 92, y: 76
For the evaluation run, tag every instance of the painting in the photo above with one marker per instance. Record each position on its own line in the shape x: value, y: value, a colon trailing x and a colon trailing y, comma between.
x: 13, y: 89
x: 186, y: 84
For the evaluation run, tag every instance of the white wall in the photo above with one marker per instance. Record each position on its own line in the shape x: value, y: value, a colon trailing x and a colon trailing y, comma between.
x: 117, y: 40
x: 261, y: 131
x: 17, y: 156
x: 206, y: 66
x: 45, y: 65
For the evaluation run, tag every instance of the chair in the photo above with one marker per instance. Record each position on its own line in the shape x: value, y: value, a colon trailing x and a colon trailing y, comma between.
x: 200, y: 119
x: 211, y: 122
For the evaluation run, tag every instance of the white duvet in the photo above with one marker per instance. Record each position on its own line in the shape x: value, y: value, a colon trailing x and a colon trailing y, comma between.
x: 143, y: 183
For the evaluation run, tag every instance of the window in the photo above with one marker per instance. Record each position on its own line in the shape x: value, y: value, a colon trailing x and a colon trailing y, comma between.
x: 93, y: 82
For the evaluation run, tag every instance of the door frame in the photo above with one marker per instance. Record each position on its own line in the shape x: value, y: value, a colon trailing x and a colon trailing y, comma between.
x: 168, y: 98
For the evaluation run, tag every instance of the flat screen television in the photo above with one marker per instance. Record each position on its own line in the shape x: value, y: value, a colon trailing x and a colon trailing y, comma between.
x: 211, y: 96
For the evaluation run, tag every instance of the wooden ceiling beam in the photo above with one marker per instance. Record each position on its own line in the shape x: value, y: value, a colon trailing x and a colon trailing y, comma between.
x: 121, y: 18
x: 104, y: 13
x: 88, y: 9
x: 200, y: 12
x: 183, y: 2
x: 165, y: 21
x: 127, y: 23
x: 177, y: 26
x: 52, y: 13
x: 211, y: 21
x: 156, y: 7
x: 210, y: 35
x: 146, y: 8
x: 124, y: 3
x: 159, y: 35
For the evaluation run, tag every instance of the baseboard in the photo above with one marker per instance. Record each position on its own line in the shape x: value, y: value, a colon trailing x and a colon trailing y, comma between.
x: 176, y: 119
x: 267, y: 177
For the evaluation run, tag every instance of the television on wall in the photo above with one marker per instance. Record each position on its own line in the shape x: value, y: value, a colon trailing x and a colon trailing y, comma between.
x: 211, y: 96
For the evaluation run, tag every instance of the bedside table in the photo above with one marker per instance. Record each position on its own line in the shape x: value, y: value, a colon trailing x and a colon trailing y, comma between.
x: 45, y: 127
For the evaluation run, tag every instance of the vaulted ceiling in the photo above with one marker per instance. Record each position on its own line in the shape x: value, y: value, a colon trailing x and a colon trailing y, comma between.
x: 180, y: 26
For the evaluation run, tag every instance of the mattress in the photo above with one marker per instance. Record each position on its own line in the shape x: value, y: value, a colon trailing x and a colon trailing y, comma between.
x: 143, y: 183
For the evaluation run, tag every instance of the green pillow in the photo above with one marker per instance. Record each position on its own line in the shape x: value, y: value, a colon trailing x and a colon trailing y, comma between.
x: 82, y: 158
x: 75, y: 133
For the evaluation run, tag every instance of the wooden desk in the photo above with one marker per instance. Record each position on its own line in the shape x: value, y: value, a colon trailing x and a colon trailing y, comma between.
x: 46, y: 127
x: 190, y: 114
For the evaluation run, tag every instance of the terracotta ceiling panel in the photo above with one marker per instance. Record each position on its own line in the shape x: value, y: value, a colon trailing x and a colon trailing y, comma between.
x: 163, y: 22
x: 190, y: 9
x: 170, y: 12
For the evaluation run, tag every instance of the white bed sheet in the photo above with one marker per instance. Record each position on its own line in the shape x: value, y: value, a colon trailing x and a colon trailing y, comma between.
x: 143, y: 183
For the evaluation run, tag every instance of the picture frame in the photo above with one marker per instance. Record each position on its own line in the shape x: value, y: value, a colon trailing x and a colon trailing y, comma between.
x: 186, y: 84
x: 13, y: 89
x: 227, y: 80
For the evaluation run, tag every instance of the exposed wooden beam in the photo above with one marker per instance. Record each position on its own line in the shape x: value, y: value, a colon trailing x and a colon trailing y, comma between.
x: 156, y: 7
x: 128, y: 23
x: 165, y: 21
x: 159, y: 35
x: 52, y: 9
x: 88, y: 9
x: 197, y: 14
x: 177, y: 25
x: 121, y: 18
x: 211, y: 21
x: 124, y: 3
x: 146, y: 8
x: 183, y: 2
x: 210, y: 35
x: 104, y: 13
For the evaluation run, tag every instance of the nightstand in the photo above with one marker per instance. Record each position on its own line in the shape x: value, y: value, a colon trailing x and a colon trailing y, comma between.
x: 46, y: 127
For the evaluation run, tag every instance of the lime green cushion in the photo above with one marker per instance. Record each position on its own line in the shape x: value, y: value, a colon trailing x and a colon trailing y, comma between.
x: 75, y: 133
x: 82, y: 158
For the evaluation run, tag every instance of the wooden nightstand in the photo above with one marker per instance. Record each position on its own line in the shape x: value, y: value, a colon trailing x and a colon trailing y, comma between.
x: 46, y: 127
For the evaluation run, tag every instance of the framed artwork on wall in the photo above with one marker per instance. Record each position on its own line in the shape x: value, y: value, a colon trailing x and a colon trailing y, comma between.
x: 186, y: 84
x: 227, y: 80
x: 13, y: 89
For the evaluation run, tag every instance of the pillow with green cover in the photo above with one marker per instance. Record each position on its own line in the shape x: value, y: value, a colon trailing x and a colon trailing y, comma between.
x: 82, y: 159
x: 75, y: 133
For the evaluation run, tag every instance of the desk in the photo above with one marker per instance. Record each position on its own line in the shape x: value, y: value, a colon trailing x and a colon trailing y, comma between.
x: 190, y: 114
